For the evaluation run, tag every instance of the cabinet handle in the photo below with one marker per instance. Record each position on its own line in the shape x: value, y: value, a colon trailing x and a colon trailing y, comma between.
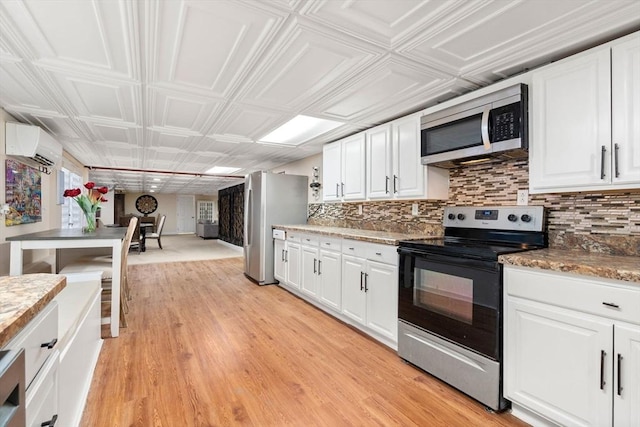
x: 361, y: 280
x: 619, y: 374
x: 286, y: 256
x: 602, y: 381
x: 395, y: 183
x: 337, y: 187
x: 314, y: 266
x: 319, y: 264
x: 616, y: 147
x: 283, y: 255
x: 52, y: 422
x: 602, y: 153
x: 611, y: 304
x: 378, y: 253
x: 366, y: 279
x: 386, y: 185
x: 49, y: 344
x: 351, y: 249
x: 342, y: 189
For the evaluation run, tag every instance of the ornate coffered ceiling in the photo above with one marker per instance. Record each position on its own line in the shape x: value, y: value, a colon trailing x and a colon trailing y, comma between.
x: 182, y: 86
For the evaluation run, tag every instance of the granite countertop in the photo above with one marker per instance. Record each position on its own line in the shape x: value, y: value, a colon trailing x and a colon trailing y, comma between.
x: 626, y: 268
x: 383, y: 237
x: 22, y: 298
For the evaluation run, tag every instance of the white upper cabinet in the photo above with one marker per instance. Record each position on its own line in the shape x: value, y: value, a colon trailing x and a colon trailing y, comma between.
x: 393, y: 160
x: 585, y: 109
x: 343, y: 165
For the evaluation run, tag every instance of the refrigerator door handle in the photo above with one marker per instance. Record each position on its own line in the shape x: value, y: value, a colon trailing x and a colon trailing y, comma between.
x: 247, y: 224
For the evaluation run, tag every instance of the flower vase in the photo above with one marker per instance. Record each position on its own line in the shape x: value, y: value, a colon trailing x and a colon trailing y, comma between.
x: 90, y: 216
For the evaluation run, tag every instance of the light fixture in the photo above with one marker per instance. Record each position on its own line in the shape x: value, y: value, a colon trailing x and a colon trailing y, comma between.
x: 298, y: 130
x: 476, y: 161
x: 222, y: 170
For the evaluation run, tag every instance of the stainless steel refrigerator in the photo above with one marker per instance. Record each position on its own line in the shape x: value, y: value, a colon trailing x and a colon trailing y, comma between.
x: 269, y: 199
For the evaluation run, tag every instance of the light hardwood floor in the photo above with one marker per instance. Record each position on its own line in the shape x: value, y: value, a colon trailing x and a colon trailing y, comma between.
x: 206, y: 347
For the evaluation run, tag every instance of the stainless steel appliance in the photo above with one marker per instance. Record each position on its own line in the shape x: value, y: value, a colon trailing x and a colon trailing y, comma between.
x: 269, y: 199
x: 450, y: 296
x: 12, y: 388
x: 494, y: 125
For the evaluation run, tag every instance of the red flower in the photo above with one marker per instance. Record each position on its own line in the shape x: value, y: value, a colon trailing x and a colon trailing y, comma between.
x: 102, y: 199
x: 102, y: 190
x: 89, y: 185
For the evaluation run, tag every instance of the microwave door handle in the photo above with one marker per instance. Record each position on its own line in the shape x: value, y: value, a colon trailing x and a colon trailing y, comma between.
x: 485, y: 128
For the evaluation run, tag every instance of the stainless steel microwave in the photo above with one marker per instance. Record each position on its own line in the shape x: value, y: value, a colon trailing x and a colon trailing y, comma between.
x: 481, y: 129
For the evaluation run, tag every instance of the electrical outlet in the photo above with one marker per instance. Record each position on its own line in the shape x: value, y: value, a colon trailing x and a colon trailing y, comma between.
x: 414, y: 209
x: 523, y: 198
x: 359, y: 209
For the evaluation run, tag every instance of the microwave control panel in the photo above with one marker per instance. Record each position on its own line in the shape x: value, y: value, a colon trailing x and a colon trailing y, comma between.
x: 505, y: 122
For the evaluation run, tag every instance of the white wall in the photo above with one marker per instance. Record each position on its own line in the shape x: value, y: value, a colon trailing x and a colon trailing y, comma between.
x: 50, y: 210
x: 167, y: 205
x: 305, y: 167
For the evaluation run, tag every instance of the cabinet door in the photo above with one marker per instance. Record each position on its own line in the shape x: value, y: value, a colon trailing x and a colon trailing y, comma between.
x: 331, y: 166
x: 330, y: 280
x: 408, y: 172
x: 558, y: 363
x: 625, y: 108
x: 626, y: 377
x: 309, y: 271
x: 354, y: 302
x: 42, y: 394
x: 279, y: 256
x: 353, y: 167
x: 571, y: 123
x: 382, y: 299
x: 293, y: 264
x: 379, y: 179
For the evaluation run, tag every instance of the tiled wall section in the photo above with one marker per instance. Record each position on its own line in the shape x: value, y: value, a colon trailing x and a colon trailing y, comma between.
x: 595, y: 222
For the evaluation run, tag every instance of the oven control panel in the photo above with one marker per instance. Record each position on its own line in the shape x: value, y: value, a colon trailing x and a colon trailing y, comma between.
x: 521, y: 218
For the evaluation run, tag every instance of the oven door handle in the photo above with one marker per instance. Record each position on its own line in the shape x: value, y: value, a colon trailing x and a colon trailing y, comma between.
x: 461, y: 261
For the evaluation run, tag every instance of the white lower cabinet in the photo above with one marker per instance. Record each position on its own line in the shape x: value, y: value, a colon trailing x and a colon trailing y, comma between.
x: 370, y: 288
x: 42, y: 398
x: 352, y: 280
x: 571, y: 349
x: 279, y: 260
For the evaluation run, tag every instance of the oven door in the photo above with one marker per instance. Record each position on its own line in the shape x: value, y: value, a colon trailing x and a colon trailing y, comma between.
x: 458, y: 299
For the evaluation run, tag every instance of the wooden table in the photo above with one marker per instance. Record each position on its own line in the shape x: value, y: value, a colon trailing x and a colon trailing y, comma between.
x: 110, y: 237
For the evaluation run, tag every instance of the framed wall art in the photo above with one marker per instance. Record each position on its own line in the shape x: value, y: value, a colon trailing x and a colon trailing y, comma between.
x: 23, y: 193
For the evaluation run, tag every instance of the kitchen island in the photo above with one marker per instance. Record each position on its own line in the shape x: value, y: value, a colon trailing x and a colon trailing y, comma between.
x: 22, y: 298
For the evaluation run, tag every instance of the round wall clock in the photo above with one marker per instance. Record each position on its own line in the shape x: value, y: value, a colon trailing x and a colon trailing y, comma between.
x: 146, y: 204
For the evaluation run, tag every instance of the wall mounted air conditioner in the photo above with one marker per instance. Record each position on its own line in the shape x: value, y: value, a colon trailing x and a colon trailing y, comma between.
x: 33, y: 146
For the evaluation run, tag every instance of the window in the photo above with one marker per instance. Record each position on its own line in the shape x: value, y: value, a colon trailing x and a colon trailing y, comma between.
x: 71, y: 213
x: 206, y: 210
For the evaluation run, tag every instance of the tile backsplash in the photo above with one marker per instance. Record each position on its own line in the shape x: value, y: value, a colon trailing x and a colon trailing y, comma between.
x: 607, y: 222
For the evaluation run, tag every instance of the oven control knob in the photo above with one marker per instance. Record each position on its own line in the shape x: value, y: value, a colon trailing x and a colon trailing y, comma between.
x: 451, y: 217
x: 461, y: 217
x: 512, y: 217
x: 525, y: 218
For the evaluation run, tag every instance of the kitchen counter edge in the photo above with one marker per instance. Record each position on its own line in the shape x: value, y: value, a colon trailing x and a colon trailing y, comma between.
x: 22, y: 298
x: 372, y: 236
x: 624, y: 268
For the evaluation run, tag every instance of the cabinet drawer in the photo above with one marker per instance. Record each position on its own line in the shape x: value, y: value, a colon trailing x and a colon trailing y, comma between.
x: 42, y: 398
x: 41, y: 330
x: 355, y: 248
x: 383, y: 253
x: 607, y: 298
x: 331, y: 244
x: 309, y: 239
x: 293, y: 236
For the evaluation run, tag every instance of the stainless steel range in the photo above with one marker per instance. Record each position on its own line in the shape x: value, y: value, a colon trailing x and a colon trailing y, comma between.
x: 450, y: 296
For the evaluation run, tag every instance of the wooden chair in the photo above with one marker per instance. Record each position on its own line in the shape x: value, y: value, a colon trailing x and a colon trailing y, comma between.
x: 104, y: 264
x: 136, y: 239
x: 158, y: 234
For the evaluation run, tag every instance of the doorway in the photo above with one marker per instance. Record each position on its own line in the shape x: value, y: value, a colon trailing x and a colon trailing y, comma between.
x: 186, y: 214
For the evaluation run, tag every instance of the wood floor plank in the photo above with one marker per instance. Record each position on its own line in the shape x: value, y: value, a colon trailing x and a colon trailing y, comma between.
x: 207, y: 347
